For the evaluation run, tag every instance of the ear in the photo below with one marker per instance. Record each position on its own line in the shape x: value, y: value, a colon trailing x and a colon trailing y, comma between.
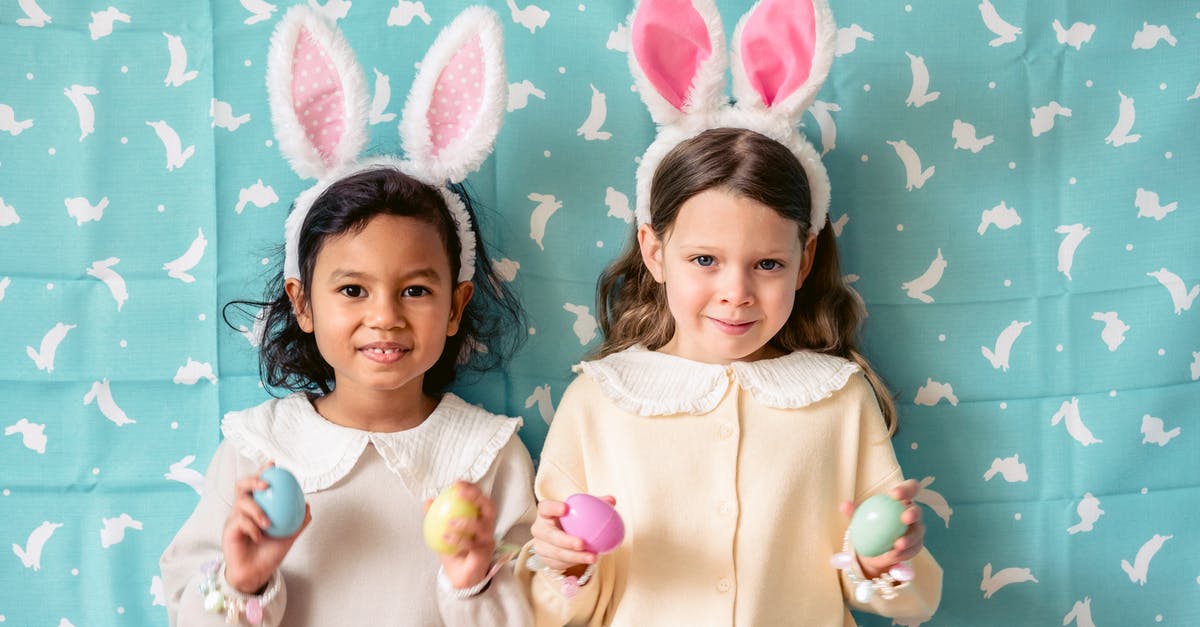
x: 457, y: 100
x: 677, y: 55
x: 317, y: 94
x: 300, y: 306
x: 782, y: 51
x: 458, y: 304
x: 652, y: 251
x: 806, y: 259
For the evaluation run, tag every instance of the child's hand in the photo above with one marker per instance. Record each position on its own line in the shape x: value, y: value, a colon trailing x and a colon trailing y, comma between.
x: 250, y: 554
x: 558, y: 549
x: 905, y: 547
x: 474, y: 539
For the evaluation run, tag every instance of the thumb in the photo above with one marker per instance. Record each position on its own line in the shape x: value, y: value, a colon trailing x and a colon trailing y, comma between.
x: 610, y: 499
x: 847, y: 508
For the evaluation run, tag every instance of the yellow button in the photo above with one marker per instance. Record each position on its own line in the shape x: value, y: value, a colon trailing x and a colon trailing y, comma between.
x: 724, y: 585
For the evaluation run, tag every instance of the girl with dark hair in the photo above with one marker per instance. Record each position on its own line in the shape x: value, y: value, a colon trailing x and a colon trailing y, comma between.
x: 386, y: 292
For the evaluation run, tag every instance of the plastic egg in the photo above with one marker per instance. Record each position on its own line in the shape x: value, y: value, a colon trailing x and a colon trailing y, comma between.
x: 446, y: 507
x: 876, y: 525
x: 282, y: 502
x: 594, y: 521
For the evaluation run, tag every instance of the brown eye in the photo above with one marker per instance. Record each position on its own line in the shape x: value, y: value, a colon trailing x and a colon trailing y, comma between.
x: 353, y: 291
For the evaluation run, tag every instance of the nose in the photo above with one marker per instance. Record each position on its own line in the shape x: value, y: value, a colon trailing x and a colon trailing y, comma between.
x: 385, y: 313
x: 736, y: 288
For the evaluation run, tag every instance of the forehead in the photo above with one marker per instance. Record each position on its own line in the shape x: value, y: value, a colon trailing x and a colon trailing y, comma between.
x: 718, y: 218
x: 385, y: 245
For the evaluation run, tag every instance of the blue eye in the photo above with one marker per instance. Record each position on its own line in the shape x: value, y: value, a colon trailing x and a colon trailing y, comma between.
x: 704, y: 261
x: 770, y: 264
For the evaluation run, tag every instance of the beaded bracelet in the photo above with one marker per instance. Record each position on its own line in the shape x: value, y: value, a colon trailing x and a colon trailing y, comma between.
x: 220, y: 597
x: 887, y: 584
x: 570, y: 583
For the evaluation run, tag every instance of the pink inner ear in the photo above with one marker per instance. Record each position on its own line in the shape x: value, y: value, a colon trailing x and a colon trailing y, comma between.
x: 778, y: 41
x: 317, y: 96
x: 457, y: 96
x: 670, y: 41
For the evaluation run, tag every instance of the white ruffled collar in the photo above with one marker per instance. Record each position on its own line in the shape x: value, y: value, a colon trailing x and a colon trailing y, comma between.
x: 457, y: 441
x: 650, y: 383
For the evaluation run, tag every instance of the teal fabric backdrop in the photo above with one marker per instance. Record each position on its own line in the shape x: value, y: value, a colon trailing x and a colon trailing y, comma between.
x: 1014, y: 189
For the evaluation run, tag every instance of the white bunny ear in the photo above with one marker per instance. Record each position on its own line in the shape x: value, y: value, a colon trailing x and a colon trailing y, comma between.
x: 317, y: 93
x: 457, y: 100
x: 782, y: 51
x: 677, y: 56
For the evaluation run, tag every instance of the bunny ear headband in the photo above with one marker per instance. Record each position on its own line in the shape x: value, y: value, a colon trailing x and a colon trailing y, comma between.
x: 782, y: 50
x: 319, y: 106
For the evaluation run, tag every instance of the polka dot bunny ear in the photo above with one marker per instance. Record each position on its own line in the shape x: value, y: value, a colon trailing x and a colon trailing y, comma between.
x: 319, y: 107
x: 317, y: 93
x: 457, y: 101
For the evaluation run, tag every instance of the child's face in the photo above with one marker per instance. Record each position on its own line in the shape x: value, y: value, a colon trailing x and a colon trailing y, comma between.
x: 731, y: 267
x: 382, y: 303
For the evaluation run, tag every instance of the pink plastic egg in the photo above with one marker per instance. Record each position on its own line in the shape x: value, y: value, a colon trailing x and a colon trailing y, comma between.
x: 594, y: 521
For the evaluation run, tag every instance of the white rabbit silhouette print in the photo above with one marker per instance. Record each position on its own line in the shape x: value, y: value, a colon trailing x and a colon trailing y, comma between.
x: 1089, y: 512
x: 1140, y: 568
x: 31, y: 553
x: 35, y: 16
x: 9, y: 122
x: 33, y: 435
x: 43, y: 357
x: 992, y: 584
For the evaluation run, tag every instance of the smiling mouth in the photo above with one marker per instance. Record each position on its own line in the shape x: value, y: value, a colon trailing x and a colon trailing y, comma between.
x: 732, y: 328
x: 384, y: 354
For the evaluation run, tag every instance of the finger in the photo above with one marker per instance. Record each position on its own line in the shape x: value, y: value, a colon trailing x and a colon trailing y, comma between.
x: 248, y: 507
x: 428, y: 503
x: 847, y: 508
x: 467, y: 490
x: 563, y: 557
x: 550, y: 533
x: 247, y: 528
x: 469, y: 528
x: 910, y: 543
x: 248, y: 484
x: 552, y: 509
x: 610, y: 499
x: 487, y: 509
x: 911, y: 515
x: 905, y: 491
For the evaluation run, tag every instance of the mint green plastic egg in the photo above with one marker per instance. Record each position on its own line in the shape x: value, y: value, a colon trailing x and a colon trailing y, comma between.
x: 876, y: 525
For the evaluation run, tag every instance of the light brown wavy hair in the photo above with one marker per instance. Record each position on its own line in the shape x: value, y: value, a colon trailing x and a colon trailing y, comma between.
x: 826, y: 317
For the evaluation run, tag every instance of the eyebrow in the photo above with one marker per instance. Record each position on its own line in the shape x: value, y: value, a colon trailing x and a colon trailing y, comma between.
x: 702, y: 249
x: 341, y: 274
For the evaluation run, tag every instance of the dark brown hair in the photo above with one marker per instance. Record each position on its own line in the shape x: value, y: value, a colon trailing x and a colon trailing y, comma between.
x: 826, y: 316
x: 288, y: 357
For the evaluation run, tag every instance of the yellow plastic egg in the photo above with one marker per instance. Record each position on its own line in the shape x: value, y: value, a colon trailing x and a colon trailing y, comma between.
x: 446, y: 507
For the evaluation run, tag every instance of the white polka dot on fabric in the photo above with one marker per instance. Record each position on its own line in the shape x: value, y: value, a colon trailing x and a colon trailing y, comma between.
x: 318, y: 101
x: 457, y: 98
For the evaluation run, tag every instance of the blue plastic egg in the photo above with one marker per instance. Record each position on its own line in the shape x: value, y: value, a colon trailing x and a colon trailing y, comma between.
x: 282, y: 502
x: 876, y: 525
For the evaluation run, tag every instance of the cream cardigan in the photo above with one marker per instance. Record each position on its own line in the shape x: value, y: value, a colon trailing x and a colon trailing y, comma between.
x: 728, y: 479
